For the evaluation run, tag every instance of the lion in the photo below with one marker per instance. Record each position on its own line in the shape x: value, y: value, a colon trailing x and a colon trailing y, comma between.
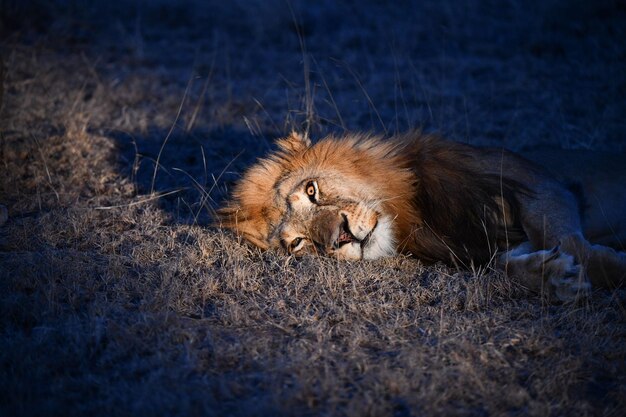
x: 362, y: 196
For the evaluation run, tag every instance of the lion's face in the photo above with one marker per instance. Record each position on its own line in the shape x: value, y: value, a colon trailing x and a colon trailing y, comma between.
x: 334, y: 198
x: 328, y: 214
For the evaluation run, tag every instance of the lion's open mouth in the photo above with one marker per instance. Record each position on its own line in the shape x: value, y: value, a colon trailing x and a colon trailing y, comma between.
x: 345, y: 235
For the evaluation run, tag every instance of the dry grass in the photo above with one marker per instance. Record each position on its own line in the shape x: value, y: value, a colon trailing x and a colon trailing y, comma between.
x: 116, y: 302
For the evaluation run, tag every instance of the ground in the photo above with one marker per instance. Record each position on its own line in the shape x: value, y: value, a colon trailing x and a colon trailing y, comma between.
x: 118, y: 297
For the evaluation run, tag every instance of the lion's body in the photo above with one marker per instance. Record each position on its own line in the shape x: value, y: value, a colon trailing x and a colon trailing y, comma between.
x: 598, y: 179
x: 362, y: 197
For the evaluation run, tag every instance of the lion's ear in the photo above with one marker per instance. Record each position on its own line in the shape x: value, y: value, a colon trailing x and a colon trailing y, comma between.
x: 294, y: 143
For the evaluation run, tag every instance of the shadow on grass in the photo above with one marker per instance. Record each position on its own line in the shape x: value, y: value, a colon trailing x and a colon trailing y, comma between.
x: 195, y: 170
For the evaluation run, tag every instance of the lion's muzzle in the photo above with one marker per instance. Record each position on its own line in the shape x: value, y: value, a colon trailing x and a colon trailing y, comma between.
x: 333, y: 232
x: 330, y: 231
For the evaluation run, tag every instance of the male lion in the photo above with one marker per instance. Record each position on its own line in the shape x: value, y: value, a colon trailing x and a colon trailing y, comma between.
x: 362, y: 197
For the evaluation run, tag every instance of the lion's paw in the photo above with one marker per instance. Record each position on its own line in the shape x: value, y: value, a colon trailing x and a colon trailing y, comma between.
x: 550, y: 270
x: 566, y: 278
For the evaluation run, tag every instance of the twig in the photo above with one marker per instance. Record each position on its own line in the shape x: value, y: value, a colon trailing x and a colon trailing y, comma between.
x: 145, y: 200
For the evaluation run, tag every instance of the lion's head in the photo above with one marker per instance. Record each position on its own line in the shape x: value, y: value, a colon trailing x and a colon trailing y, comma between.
x: 342, y: 198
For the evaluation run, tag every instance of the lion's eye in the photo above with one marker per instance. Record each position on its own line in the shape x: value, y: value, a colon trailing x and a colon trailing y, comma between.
x: 311, y: 191
x: 296, y: 244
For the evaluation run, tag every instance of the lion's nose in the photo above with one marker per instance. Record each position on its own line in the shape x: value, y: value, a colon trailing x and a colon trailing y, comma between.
x: 326, y: 228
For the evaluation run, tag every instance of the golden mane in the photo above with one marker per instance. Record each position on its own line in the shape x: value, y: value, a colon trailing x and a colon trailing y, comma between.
x: 413, y: 175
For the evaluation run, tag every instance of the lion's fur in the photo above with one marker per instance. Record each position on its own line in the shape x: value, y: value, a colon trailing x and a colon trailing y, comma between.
x: 444, y: 201
x: 257, y: 202
x: 413, y: 177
